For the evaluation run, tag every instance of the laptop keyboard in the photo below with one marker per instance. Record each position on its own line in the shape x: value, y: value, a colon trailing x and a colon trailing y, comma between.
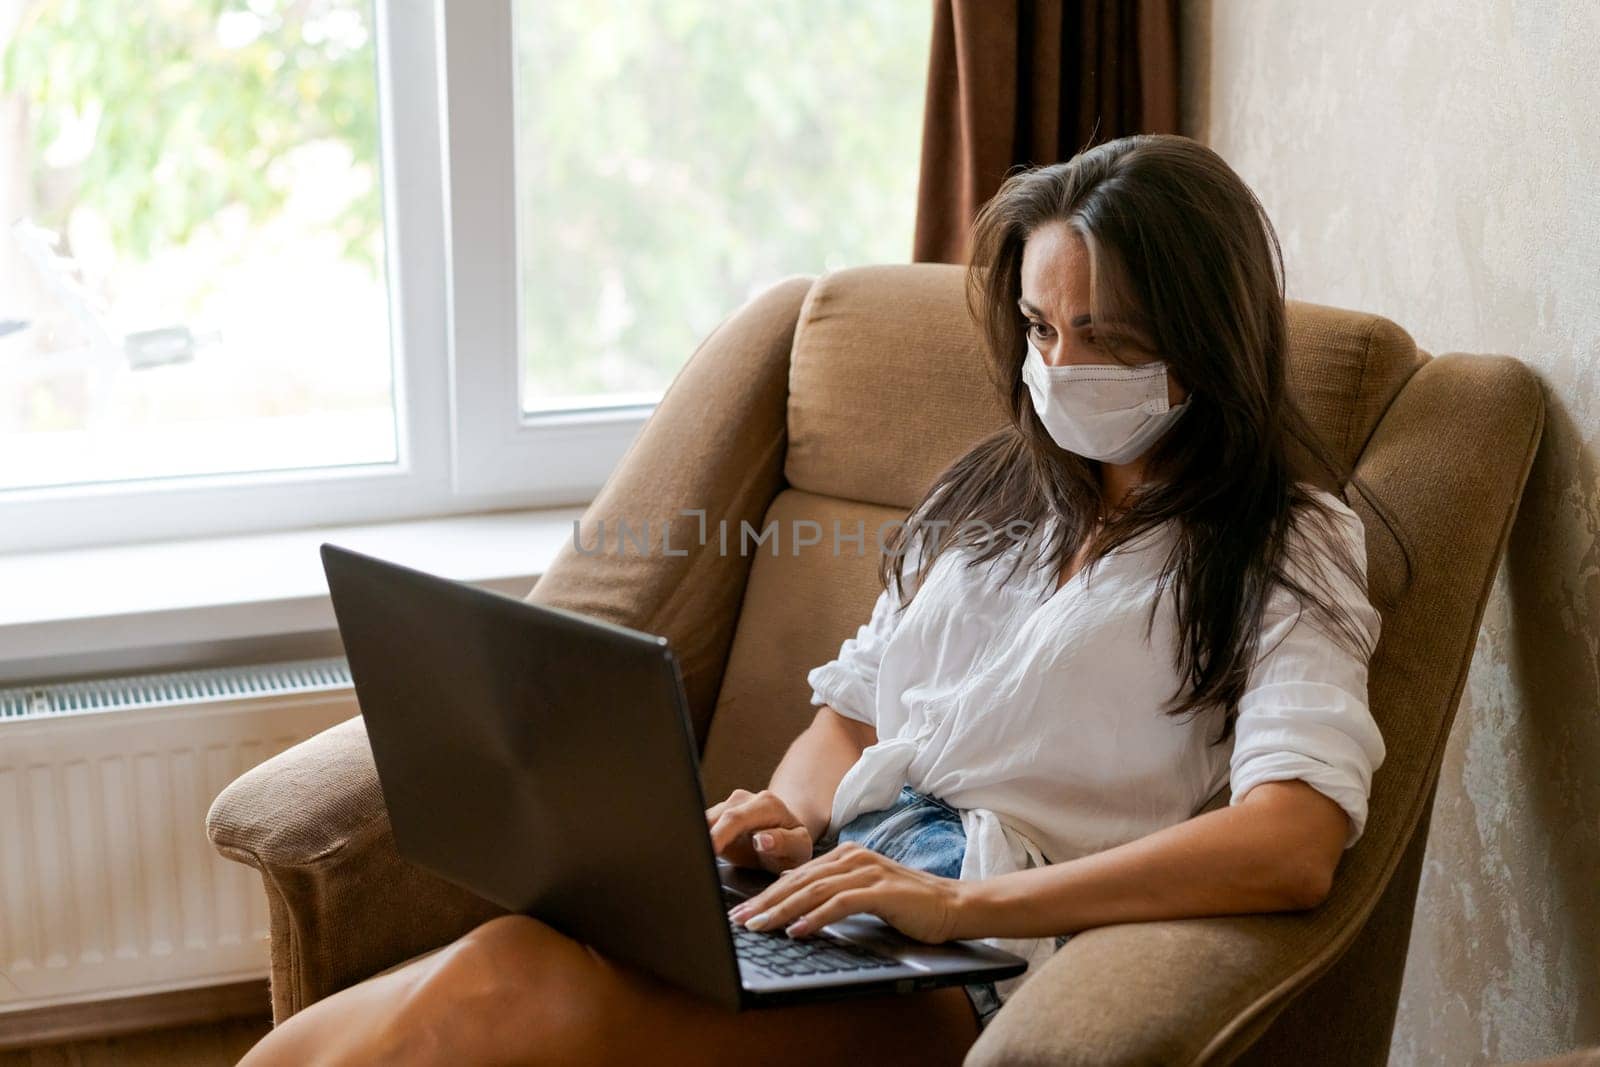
x: 774, y: 954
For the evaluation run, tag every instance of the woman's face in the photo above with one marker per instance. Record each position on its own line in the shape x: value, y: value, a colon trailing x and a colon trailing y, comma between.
x: 1055, y: 304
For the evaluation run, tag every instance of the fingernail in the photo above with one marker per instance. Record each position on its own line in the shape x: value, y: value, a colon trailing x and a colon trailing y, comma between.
x: 759, y: 921
x: 796, y: 928
x: 763, y: 841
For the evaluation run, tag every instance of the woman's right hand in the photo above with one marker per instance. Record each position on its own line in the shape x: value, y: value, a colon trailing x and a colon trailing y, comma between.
x: 758, y: 830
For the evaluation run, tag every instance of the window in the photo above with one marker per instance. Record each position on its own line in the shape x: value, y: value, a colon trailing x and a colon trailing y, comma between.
x: 675, y: 157
x: 269, y: 263
x: 194, y: 279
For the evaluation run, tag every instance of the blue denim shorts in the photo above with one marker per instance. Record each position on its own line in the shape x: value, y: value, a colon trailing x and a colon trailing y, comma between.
x: 925, y: 833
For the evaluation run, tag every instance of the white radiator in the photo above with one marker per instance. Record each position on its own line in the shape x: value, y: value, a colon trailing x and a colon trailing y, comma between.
x: 108, y: 886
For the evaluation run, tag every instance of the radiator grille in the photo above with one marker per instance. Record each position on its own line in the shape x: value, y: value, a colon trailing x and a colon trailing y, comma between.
x: 178, y: 687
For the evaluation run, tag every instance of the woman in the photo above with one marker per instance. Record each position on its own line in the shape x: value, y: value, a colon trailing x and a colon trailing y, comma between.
x: 1015, y: 744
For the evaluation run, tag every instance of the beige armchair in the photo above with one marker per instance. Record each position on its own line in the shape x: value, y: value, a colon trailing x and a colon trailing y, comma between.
x: 838, y: 399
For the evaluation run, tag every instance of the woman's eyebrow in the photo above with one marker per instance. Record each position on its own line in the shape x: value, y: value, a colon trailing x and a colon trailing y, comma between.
x: 1079, y: 321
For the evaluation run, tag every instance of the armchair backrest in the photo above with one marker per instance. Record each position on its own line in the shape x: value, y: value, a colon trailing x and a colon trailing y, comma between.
x: 885, y: 388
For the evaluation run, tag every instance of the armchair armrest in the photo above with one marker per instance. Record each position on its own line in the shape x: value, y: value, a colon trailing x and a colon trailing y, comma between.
x: 341, y: 901
x: 1185, y: 991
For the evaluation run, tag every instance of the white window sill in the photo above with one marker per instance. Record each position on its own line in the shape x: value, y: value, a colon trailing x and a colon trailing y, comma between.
x: 82, y: 610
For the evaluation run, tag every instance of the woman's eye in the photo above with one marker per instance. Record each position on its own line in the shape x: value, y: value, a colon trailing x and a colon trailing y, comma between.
x: 1037, y: 328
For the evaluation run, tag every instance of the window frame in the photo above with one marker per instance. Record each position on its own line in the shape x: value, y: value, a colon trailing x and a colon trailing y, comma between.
x: 462, y: 441
x: 499, y: 447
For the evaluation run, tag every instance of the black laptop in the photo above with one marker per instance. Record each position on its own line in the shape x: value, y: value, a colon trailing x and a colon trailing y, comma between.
x: 545, y: 761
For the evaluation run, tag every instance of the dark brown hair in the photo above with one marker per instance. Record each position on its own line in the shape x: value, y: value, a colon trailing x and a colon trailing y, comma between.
x: 1179, y: 246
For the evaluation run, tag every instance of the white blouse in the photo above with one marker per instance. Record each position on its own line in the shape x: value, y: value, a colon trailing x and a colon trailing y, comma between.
x: 1037, y: 711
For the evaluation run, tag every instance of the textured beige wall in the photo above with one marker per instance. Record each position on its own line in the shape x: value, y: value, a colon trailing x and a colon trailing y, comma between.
x: 1438, y: 162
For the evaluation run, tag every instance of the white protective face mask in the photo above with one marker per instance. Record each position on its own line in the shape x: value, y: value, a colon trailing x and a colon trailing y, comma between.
x: 1102, y: 411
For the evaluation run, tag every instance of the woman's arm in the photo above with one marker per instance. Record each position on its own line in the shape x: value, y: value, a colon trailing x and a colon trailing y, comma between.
x: 777, y: 827
x: 809, y: 773
x: 1276, y: 850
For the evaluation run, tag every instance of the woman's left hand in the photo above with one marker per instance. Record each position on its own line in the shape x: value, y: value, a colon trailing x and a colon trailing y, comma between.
x: 852, y: 879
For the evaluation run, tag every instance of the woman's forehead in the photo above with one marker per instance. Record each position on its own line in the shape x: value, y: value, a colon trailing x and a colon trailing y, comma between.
x: 1055, y: 272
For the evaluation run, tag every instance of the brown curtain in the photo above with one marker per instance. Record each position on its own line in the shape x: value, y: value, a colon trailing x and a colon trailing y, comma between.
x: 1033, y: 81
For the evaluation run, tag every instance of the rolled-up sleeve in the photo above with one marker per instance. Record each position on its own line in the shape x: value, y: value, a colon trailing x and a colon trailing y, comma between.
x: 849, y: 683
x: 1305, y: 713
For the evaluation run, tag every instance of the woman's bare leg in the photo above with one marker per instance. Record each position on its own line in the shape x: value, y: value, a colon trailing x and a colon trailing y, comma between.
x: 515, y: 991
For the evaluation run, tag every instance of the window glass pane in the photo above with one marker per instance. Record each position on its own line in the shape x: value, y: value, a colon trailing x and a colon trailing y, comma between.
x: 674, y: 157
x: 195, y: 283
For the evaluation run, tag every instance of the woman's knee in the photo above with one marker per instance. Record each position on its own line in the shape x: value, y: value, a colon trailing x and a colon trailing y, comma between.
x: 514, y: 989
